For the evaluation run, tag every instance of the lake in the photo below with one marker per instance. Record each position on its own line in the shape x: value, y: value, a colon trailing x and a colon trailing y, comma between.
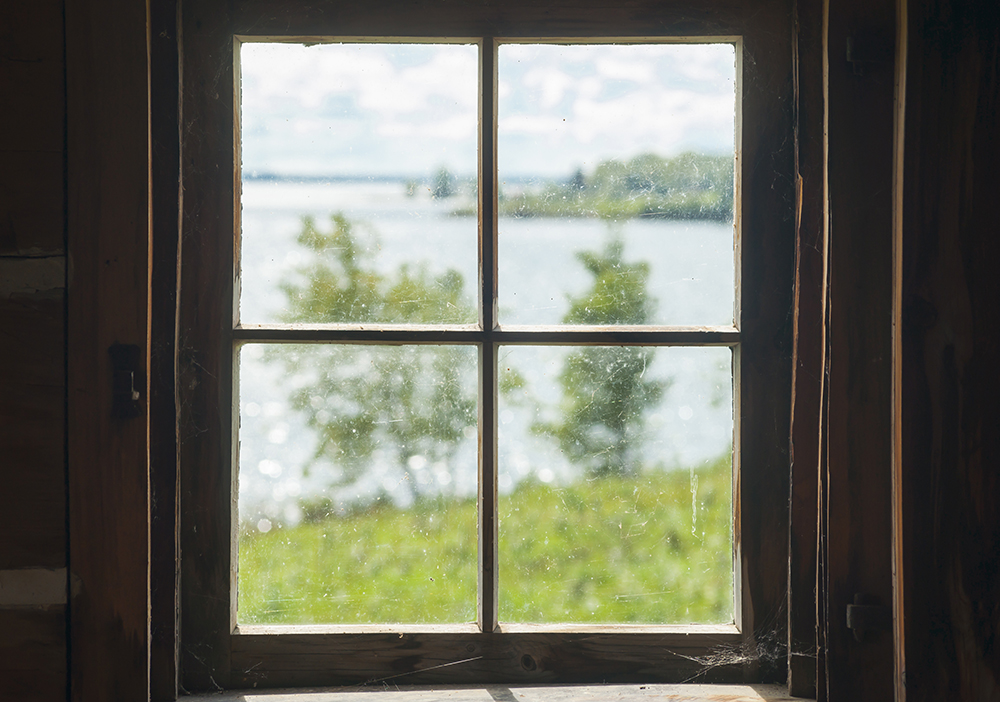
x: 691, y: 278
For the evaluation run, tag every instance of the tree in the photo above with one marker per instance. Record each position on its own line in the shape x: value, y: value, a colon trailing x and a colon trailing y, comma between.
x: 403, y: 405
x: 444, y: 184
x: 605, y: 389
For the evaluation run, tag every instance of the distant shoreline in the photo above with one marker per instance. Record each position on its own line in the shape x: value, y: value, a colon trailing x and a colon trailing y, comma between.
x: 374, y: 178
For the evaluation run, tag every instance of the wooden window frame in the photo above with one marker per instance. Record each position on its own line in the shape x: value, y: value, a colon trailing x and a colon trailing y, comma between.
x: 217, y: 653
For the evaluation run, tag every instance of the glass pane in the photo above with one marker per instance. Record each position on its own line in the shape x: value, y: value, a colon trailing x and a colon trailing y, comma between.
x: 616, y: 148
x: 615, y: 477
x: 357, y: 494
x: 359, y: 188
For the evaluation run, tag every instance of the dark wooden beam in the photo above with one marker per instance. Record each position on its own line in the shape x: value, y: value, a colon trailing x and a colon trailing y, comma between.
x: 205, y: 368
x: 809, y: 345
x: 949, y: 464
x: 766, y: 253
x: 860, y: 130
x: 107, y: 81
x: 311, y: 659
x: 165, y: 111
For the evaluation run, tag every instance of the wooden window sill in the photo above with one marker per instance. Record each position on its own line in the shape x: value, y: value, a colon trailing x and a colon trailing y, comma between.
x: 502, y: 693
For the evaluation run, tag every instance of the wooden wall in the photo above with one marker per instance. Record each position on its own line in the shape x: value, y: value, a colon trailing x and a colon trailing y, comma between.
x: 108, y: 227
x: 33, y: 536
x: 947, y: 353
x: 856, y: 525
x: 74, y: 271
x: 949, y: 477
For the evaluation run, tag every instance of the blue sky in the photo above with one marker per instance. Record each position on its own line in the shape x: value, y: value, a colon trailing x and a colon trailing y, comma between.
x: 408, y: 109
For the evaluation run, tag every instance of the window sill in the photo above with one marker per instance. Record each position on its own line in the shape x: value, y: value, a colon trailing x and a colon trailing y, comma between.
x: 502, y: 693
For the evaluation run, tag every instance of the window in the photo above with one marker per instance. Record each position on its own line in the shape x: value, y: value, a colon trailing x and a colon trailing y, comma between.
x: 348, y: 323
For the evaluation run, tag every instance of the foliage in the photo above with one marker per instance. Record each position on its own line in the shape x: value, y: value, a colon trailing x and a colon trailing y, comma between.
x: 396, y: 402
x: 444, y: 184
x: 605, y: 392
x: 688, y: 186
x: 623, y: 549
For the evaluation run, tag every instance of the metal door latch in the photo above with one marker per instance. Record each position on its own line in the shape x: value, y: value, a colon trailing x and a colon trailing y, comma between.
x: 125, y: 371
x: 866, y: 615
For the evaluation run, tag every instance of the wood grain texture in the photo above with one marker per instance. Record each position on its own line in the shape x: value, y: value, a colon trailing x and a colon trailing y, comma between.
x: 860, y: 201
x: 32, y: 128
x: 809, y: 340
x: 32, y: 418
x: 108, y: 246
x: 31, y: 68
x: 33, y: 203
x: 898, y: 183
x: 33, y: 650
x: 163, y: 425
x: 205, y: 349
x: 950, y: 460
x: 33, y: 638
x: 457, y: 18
x: 33, y: 654
x: 35, y: 121
x: 524, y: 658
x: 29, y: 686
x: 765, y: 278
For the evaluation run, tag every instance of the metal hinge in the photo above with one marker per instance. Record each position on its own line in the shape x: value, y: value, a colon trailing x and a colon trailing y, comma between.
x: 867, y: 615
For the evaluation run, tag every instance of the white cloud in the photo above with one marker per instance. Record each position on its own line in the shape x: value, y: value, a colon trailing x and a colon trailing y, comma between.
x: 550, y: 83
x: 629, y: 69
x: 368, y: 108
x: 568, y: 106
x: 409, y: 108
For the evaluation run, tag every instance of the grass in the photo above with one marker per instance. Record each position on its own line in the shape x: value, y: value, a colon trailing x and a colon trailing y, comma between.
x: 704, y: 204
x: 614, y: 549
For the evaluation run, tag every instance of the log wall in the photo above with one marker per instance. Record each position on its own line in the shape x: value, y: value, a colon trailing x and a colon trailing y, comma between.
x: 949, y: 458
x: 33, y: 552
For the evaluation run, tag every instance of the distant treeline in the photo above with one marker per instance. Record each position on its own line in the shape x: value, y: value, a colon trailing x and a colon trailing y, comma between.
x: 688, y: 186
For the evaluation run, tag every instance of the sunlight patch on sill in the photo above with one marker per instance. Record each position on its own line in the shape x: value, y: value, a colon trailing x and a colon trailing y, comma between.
x: 503, y: 693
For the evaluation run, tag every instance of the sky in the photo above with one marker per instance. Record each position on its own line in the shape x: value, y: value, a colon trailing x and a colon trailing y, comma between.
x: 410, y: 109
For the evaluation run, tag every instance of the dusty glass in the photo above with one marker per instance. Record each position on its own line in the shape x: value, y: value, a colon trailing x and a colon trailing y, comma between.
x: 357, y: 484
x: 615, y: 476
x: 358, y: 176
x: 616, y: 142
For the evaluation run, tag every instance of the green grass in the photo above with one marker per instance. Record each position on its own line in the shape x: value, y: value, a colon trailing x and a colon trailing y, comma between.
x: 704, y: 204
x: 613, y: 549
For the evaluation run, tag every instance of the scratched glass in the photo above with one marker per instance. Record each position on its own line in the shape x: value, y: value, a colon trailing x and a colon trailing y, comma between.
x: 615, y: 480
x: 356, y: 159
x: 358, y: 472
x: 633, y: 143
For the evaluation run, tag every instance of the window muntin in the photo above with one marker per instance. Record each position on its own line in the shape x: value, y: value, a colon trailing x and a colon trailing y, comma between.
x: 355, y: 309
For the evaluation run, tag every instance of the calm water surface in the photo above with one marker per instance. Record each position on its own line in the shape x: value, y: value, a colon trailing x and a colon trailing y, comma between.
x: 691, y: 278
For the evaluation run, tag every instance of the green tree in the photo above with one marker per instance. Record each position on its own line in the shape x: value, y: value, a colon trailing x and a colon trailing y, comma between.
x: 687, y: 186
x: 605, y: 389
x: 390, y: 403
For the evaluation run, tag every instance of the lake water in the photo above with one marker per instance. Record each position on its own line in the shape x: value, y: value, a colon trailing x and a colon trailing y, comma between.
x: 691, y: 278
